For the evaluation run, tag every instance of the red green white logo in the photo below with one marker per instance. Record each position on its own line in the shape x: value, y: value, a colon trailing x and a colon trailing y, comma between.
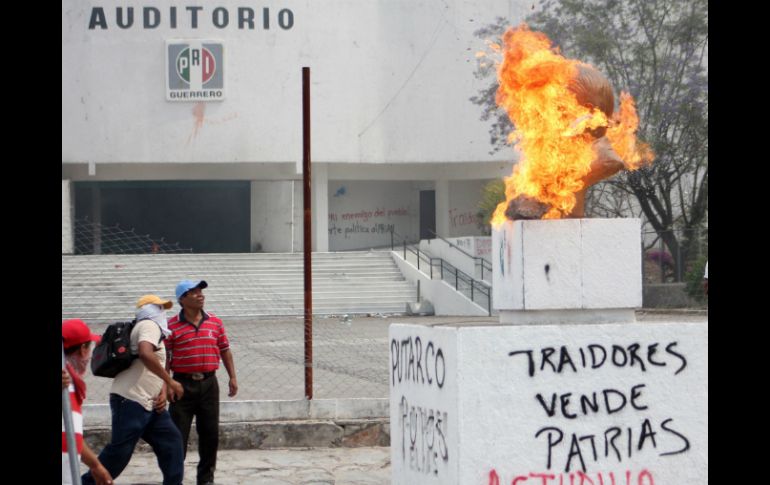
x: 195, y: 70
x: 190, y: 57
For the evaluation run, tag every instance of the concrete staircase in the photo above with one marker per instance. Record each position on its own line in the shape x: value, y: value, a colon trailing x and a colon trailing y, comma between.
x: 105, y: 288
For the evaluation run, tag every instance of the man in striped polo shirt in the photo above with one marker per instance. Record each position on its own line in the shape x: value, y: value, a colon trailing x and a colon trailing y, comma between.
x: 197, y: 341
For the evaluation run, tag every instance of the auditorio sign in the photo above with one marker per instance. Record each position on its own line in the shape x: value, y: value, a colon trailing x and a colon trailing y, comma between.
x: 195, y: 70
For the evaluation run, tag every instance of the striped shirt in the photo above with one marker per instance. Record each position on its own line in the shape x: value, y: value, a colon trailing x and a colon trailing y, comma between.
x: 77, y: 425
x: 196, y: 349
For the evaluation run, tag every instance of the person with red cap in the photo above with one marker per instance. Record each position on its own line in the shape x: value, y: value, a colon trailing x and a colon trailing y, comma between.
x: 76, y: 340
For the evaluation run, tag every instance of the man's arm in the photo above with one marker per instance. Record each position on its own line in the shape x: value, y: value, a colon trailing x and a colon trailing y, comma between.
x: 147, y: 354
x: 159, y: 403
x: 100, y: 474
x: 227, y: 359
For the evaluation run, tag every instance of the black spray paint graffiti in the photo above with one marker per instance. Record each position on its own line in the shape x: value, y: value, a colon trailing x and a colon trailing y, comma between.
x: 424, y: 431
x: 609, y: 400
x: 595, y: 356
x: 410, y: 362
x: 614, y: 443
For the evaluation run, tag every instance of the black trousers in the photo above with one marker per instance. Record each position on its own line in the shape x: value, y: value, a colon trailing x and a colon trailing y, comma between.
x: 201, y: 400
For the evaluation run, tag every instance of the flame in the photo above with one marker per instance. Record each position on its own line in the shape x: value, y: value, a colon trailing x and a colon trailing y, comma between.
x: 552, y: 128
x: 623, y: 139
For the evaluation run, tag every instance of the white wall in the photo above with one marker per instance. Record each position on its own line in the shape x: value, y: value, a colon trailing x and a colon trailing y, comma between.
x: 361, y: 214
x: 424, y: 425
x: 442, y: 207
x: 391, y: 82
x: 464, y: 197
x: 277, y: 215
x: 67, y: 208
x: 516, y: 412
x: 567, y: 264
x: 298, y: 237
x: 271, y: 215
x: 320, y: 207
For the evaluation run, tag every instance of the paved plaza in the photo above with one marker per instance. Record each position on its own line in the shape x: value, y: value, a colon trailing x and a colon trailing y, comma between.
x: 319, y: 466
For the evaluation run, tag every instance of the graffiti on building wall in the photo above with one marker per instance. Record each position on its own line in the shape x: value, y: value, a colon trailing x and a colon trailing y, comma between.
x: 483, y: 246
x: 364, y: 221
x: 475, y: 245
x: 464, y: 243
x: 459, y: 218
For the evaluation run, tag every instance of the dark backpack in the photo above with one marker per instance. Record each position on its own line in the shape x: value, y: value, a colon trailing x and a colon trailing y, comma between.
x: 112, y: 354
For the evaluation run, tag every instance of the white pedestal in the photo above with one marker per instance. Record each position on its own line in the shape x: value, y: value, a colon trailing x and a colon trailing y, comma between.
x: 543, y: 268
x: 595, y: 404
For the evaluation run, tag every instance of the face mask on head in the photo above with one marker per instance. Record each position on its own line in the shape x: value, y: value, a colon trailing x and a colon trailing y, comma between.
x: 155, y: 313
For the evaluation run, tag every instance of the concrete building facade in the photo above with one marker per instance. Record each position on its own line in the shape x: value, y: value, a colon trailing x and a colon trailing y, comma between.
x: 184, y: 121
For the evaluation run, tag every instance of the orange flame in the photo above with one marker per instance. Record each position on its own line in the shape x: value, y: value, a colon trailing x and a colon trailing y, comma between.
x: 622, y: 136
x: 552, y: 128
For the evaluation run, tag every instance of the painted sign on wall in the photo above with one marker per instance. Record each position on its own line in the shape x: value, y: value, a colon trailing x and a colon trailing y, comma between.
x: 363, y: 214
x: 195, y: 70
x: 464, y: 196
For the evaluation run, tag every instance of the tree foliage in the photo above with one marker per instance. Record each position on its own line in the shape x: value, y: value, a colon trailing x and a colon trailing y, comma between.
x: 491, y: 195
x: 657, y: 50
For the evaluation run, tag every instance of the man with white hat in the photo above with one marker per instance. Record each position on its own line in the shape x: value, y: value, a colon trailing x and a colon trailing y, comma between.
x: 138, y: 399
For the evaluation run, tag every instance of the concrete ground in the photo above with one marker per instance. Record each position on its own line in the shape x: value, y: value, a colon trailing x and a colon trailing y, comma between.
x: 319, y: 466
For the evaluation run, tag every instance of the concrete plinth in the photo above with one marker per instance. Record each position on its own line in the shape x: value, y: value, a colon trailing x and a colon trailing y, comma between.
x: 549, y: 404
x: 569, y: 270
x: 567, y: 389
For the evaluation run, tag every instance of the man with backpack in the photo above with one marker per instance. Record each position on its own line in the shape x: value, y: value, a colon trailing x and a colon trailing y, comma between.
x: 138, y: 399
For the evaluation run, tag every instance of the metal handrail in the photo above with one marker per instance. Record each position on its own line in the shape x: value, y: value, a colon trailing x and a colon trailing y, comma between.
x: 394, y: 236
x: 476, y: 286
x: 484, y: 263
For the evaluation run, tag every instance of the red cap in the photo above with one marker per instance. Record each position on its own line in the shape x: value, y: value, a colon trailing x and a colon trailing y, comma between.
x: 75, y: 332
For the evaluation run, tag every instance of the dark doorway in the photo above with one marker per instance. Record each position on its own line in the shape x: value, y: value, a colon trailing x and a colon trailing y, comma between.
x: 205, y: 216
x: 427, y: 214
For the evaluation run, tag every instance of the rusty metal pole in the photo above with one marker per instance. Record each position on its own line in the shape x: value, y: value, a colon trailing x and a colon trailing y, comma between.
x: 308, y: 245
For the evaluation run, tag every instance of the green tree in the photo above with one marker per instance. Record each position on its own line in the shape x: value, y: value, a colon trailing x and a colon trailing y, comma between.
x: 492, y: 194
x: 657, y: 50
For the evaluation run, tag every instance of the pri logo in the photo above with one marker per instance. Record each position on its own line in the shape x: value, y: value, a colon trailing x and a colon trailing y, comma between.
x: 192, y: 58
x: 194, y: 70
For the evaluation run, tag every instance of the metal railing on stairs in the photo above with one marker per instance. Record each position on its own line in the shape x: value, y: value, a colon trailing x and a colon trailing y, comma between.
x: 477, y: 261
x: 461, y: 281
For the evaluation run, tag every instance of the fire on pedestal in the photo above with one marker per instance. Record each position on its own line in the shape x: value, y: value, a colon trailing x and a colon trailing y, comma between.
x: 567, y: 270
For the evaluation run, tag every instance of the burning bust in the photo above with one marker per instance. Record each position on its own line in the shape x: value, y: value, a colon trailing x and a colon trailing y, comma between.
x: 566, y: 127
x: 592, y: 90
